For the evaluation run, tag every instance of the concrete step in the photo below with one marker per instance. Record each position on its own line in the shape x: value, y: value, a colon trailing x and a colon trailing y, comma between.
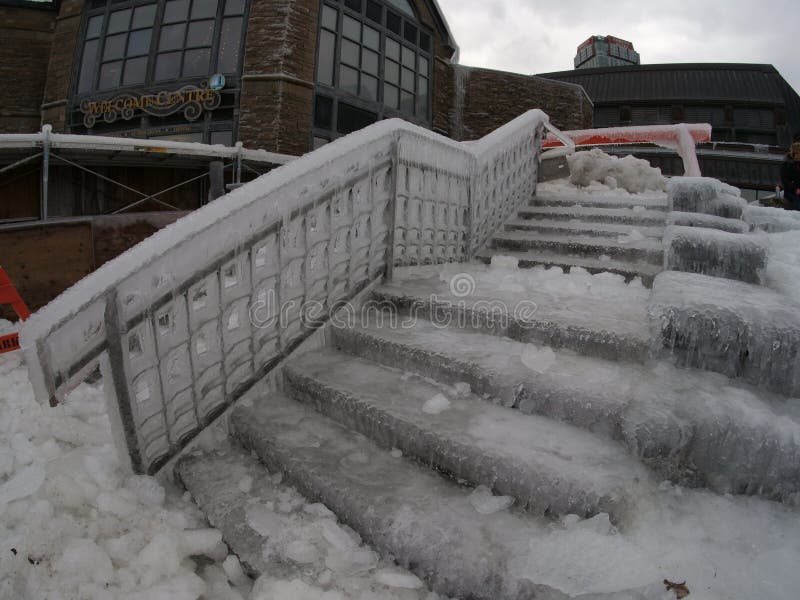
x: 660, y: 204
x: 694, y: 427
x: 424, y: 521
x: 592, y: 326
x: 643, y: 217
x: 581, y: 228
x: 549, y: 468
x: 530, y: 258
x: 646, y: 250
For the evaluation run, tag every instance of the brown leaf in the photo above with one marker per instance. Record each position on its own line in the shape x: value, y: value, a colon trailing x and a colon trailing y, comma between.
x: 680, y: 589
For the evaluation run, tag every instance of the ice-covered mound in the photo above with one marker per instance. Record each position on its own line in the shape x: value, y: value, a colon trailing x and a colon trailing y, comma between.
x: 631, y: 174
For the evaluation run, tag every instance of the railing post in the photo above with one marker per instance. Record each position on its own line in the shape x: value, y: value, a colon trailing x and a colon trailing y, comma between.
x: 46, y: 130
x: 237, y: 172
x: 392, y: 208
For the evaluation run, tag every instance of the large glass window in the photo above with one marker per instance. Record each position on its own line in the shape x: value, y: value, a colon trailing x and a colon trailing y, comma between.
x: 373, y: 61
x: 134, y: 42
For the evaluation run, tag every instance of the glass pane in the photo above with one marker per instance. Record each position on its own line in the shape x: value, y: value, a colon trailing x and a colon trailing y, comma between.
x: 222, y: 137
x: 234, y: 7
x: 110, y: 75
x: 115, y: 46
x: 372, y: 39
x: 327, y: 41
x: 369, y: 87
x: 348, y: 79
x: 369, y: 61
x: 424, y: 41
x: 204, y: 9
x: 407, y: 80
x: 410, y: 32
x: 329, y: 17
x: 119, y: 21
x: 195, y: 62
x: 200, y: 33
x: 168, y: 66
x: 353, y: 5
x: 323, y: 112
x: 422, y: 97
x: 374, y: 11
x: 393, y: 22
x: 139, y: 42
x: 351, y: 28
x: 351, y: 118
x: 88, y: 62
x: 176, y: 10
x: 390, y: 96
x: 350, y: 53
x: 407, y: 103
x: 230, y: 43
x: 408, y: 58
x: 172, y: 37
x: 144, y: 16
x: 391, y: 72
x: 392, y: 49
x: 423, y: 65
x: 93, y: 26
x: 135, y: 71
x: 402, y: 5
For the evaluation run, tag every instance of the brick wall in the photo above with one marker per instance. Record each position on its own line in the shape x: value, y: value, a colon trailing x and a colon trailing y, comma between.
x: 25, y: 38
x: 59, y: 69
x: 479, y: 101
x: 277, y: 83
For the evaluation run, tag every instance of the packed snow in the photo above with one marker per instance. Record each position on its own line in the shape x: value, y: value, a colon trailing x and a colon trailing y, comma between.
x: 632, y: 174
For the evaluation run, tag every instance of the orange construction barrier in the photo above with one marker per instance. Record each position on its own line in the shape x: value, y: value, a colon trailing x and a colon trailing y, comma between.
x: 9, y: 295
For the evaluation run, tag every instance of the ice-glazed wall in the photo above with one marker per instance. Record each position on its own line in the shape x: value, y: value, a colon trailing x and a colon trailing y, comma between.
x: 184, y: 323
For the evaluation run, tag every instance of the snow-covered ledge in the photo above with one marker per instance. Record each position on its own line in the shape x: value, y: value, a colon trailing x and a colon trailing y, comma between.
x: 184, y: 323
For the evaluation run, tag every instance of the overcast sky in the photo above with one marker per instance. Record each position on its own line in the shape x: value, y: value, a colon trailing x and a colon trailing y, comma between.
x: 538, y: 36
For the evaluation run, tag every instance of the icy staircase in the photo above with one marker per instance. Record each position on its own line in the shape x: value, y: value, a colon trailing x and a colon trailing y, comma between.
x: 397, y: 418
x: 618, y: 234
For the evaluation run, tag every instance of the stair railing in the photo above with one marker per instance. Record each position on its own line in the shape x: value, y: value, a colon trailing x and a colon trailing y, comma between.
x: 187, y: 321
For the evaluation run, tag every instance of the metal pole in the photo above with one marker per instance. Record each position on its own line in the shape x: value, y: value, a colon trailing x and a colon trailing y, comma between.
x: 46, y: 130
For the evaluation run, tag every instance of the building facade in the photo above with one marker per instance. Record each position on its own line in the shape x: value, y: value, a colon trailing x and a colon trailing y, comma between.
x: 282, y: 75
x: 605, y: 51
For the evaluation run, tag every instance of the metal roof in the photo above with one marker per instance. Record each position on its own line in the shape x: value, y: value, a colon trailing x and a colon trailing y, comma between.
x: 731, y: 83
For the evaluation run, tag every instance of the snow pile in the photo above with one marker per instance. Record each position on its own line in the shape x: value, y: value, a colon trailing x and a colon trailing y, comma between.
x: 629, y: 173
x: 771, y: 220
x: 74, y: 525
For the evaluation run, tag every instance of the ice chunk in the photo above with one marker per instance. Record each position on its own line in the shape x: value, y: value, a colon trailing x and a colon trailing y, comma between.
x: 318, y: 510
x: 632, y: 174
x: 500, y: 261
x: 486, y: 503
x: 436, y: 405
x: 337, y: 537
x: 461, y: 389
x: 24, y: 483
x: 233, y: 570
x: 301, y: 552
x: 633, y: 236
x: 396, y: 453
x: 246, y: 484
x: 538, y: 359
x: 398, y: 579
x: 84, y: 559
x: 147, y: 490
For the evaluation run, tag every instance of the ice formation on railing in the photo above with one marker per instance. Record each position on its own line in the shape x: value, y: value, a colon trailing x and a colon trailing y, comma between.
x: 185, y: 322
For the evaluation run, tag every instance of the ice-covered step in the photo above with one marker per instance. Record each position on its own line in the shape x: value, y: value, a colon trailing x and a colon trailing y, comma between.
x: 583, y: 228
x: 549, y: 468
x: 630, y: 216
x: 660, y: 204
x: 531, y: 258
x: 738, y: 329
x: 629, y: 247
x: 276, y: 532
x: 695, y: 427
x: 426, y: 522
x: 605, y: 327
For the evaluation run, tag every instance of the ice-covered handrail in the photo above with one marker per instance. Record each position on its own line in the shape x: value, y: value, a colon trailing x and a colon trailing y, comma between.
x: 681, y: 137
x: 185, y: 322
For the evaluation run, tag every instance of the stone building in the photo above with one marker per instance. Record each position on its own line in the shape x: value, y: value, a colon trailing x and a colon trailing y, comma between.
x: 282, y: 75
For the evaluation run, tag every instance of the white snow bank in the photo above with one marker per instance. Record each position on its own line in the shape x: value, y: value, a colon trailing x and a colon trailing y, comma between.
x: 629, y: 173
x: 73, y: 524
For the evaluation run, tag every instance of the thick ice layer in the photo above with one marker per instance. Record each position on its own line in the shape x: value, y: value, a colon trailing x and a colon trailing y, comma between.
x: 631, y: 174
x: 688, y: 219
x: 713, y: 252
x: 597, y: 190
x: 783, y: 266
x: 705, y: 195
x: 734, y: 328
x: 771, y: 220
